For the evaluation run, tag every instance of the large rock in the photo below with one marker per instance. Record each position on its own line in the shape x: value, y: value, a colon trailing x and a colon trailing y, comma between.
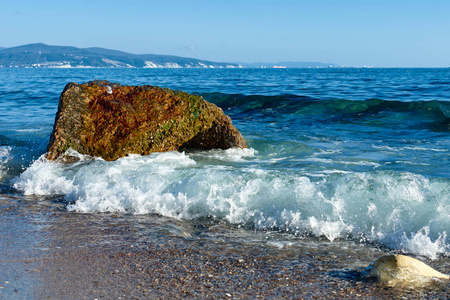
x: 110, y: 120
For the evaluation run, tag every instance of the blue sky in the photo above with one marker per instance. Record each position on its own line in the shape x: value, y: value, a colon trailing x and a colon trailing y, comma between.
x: 395, y: 33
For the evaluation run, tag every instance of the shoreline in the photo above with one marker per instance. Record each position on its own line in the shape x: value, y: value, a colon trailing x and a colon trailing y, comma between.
x: 52, y: 253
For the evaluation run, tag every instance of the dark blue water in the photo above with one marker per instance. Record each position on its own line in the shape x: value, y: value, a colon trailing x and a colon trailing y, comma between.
x: 344, y: 154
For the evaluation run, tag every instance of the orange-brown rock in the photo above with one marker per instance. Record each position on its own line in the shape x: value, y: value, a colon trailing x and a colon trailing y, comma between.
x: 110, y: 120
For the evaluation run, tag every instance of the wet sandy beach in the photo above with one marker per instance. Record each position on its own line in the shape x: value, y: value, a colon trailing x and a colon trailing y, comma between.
x: 49, y: 253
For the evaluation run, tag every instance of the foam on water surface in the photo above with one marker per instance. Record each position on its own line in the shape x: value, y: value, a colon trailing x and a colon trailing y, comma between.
x: 401, y: 210
x: 5, y: 155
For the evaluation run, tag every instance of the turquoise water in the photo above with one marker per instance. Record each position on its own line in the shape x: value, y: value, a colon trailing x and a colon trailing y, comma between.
x: 358, y: 155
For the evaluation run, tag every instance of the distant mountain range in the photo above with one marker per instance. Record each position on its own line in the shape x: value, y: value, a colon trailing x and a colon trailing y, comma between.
x: 44, y: 56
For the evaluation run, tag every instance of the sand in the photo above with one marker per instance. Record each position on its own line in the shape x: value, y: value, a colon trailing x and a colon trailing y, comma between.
x: 49, y: 253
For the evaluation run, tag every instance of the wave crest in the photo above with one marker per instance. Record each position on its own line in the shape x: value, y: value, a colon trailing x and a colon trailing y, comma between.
x: 336, y: 110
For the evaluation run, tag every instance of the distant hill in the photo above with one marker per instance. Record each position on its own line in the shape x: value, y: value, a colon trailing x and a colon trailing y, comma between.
x: 45, y: 56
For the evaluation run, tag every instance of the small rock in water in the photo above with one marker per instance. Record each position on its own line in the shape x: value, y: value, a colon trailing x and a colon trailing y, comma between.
x: 398, y: 269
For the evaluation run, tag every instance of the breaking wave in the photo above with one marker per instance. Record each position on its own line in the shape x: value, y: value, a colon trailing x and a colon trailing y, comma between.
x: 400, y: 210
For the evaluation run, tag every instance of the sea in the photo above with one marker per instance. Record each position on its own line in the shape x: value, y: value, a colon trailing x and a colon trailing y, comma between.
x: 336, y: 157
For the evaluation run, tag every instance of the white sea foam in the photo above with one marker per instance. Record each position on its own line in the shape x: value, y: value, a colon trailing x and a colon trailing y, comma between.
x: 402, y: 210
x: 343, y: 162
x: 232, y: 154
x: 401, y: 149
x: 5, y: 156
x: 44, y: 178
x: 29, y: 130
x: 420, y: 243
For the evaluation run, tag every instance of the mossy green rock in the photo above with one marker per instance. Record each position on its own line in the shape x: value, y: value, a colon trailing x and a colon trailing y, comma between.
x: 110, y: 120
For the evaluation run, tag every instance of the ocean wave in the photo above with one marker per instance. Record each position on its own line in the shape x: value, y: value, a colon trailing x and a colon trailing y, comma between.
x: 334, y: 110
x: 400, y: 210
